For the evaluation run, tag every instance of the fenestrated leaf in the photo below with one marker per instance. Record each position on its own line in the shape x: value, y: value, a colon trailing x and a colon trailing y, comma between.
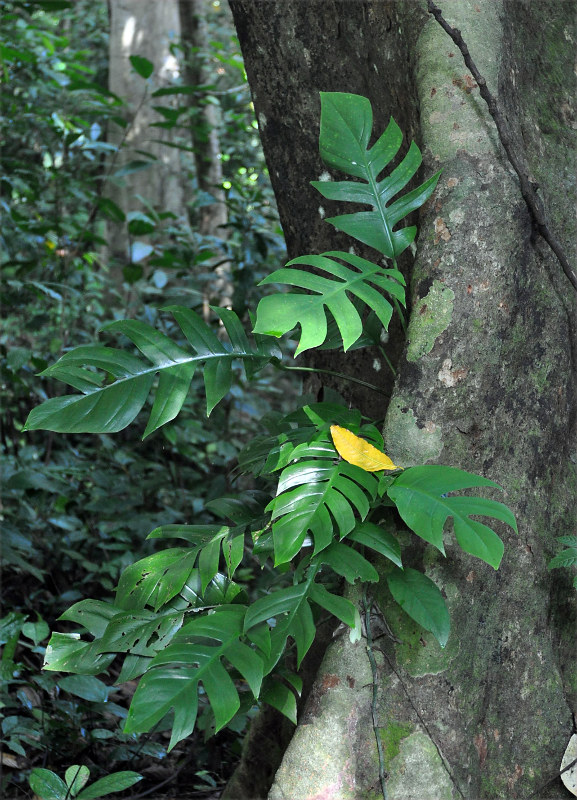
x: 420, y: 496
x: 422, y: 600
x: 296, y: 620
x: 278, y: 314
x: 209, y: 539
x: 318, y: 496
x: 173, y: 678
x: 359, y: 452
x: 141, y: 633
x: 108, y: 407
x: 156, y: 579
x: 346, y: 127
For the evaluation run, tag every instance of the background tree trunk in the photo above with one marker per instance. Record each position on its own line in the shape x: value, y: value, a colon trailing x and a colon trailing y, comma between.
x: 486, y: 382
x: 145, y: 28
x: 213, y: 217
x: 205, y: 139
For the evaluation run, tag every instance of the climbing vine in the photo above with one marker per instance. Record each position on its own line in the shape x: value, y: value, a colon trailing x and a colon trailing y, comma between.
x: 180, y: 622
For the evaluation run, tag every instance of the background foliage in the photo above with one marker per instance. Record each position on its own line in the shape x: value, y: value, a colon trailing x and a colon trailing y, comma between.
x: 73, y: 514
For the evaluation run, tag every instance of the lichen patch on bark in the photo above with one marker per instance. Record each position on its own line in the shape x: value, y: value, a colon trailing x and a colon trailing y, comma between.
x: 419, y: 771
x: 431, y: 316
x: 409, y: 441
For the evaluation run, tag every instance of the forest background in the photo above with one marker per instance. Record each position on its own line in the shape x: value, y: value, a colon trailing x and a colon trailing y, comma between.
x: 78, y: 250
x: 133, y: 178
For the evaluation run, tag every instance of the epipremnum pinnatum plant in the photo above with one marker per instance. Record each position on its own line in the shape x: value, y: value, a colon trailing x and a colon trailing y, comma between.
x: 179, y: 621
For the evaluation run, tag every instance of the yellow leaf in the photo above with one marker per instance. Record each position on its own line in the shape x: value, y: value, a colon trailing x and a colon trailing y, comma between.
x: 359, y: 452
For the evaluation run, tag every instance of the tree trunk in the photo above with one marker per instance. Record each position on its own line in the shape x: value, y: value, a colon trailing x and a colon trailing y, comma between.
x: 205, y: 139
x: 486, y: 382
x: 145, y: 28
x: 194, y: 31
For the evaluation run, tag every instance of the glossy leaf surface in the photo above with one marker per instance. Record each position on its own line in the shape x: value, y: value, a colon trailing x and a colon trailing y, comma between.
x: 317, y: 496
x: 420, y: 494
x: 174, y: 675
x: 279, y: 314
x: 346, y: 128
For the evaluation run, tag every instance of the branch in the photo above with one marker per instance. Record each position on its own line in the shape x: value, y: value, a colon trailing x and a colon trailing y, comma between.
x: 534, y: 203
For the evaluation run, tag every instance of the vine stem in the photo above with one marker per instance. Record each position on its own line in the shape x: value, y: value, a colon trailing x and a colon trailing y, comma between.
x: 332, y: 372
x: 367, y: 606
x: 533, y: 202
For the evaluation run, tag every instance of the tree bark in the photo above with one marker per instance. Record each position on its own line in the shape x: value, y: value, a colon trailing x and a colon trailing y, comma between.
x: 213, y: 217
x: 205, y: 139
x: 486, y: 382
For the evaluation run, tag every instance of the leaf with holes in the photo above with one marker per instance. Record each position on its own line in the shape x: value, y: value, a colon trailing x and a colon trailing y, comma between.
x: 172, y: 681
x: 318, y: 496
x: 278, y: 314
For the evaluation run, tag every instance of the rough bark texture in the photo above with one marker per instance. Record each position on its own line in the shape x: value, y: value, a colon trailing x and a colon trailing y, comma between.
x: 486, y: 382
x: 293, y: 51
x: 146, y: 28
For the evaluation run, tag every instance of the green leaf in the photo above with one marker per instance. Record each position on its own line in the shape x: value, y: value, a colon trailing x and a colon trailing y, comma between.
x: 156, y: 579
x: 140, y: 633
x: 293, y: 616
x: 317, y: 495
x: 378, y: 539
x: 347, y: 562
x: 566, y: 558
x: 46, y: 785
x: 110, y: 209
x: 94, y: 615
x: 142, y: 65
x: 340, y: 607
x: 422, y: 600
x: 85, y: 686
x: 66, y: 652
x: 346, y: 128
x: 173, y: 678
x: 279, y: 696
x: 117, y: 782
x: 209, y: 539
x: 76, y: 777
x: 278, y: 314
x: 420, y: 496
x: 108, y: 407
